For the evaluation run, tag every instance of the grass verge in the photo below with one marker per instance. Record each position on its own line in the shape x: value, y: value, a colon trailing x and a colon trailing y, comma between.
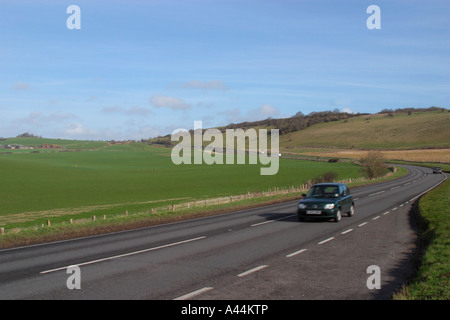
x: 432, y: 279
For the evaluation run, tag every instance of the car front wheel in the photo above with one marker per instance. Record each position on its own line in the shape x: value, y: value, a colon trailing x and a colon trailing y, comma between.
x: 352, y: 211
x: 338, y: 216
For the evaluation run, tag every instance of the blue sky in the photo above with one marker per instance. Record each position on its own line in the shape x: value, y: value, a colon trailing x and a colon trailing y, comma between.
x: 138, y: 69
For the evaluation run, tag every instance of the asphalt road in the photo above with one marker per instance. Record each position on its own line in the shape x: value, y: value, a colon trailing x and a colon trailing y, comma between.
x: 262, y: 253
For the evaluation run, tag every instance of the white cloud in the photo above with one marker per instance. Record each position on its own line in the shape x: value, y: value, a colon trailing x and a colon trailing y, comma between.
x: 266, y: 111
x: 160, y: 101
x: 209, y: 85
x: 20, y: 86
x: 261, y: 113
x: 136, y: 110
x: 112, y: 109
x: 347, y: 110
x: 40, y: 119
x: 77, y: 130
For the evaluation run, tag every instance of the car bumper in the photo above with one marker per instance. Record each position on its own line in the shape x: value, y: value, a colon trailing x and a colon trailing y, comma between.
x: 324, y: 214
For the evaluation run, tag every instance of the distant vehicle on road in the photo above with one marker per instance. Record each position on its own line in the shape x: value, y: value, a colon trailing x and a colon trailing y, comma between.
x: 326, y: 201
x: 437, y: 170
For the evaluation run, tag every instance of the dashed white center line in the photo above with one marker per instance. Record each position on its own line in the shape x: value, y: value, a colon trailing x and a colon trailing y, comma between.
x: 379, y: 192
x: 326, y: 240
x: 393, y: 188
x: 296, y: 253
x: 386, y: 213
x: 194, y: 293
x: 126, y: 254
x: 362, y: 224
x: 376, y: 218
x: 246, y: 273
x: 261, y: 223
x: 269, y: 221
x: 347, y: 231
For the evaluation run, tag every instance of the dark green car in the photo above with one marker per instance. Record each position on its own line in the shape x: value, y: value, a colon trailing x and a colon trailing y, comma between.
x: 326, y: 201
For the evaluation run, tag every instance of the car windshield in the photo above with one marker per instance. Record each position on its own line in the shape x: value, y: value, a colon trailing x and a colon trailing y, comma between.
x: 323, y: 192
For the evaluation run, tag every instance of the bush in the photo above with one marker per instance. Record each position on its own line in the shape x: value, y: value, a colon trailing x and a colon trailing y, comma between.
x: 329, y: 176
x: 373, y: 165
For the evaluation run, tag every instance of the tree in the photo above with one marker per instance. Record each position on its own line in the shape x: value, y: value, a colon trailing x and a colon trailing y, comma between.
x: 373, y: 164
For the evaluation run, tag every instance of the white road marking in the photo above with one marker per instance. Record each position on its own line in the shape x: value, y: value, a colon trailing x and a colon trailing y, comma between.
x: 326, y: 240
x: 261, y: 223
x: 296, y: 253
x: 125, y: 254
x: 362, y: 224
x: 379, y: 192
x: 386, y: 213
x: 377, y: 217
x: 269, y: 221
x: 194, y: 293
x: 347, y: 231
x: 243, y: 274
x: 393, y: 188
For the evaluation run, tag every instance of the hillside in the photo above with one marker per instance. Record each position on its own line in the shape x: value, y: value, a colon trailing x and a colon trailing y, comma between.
x: 376, y: 131
x: 401, y: 134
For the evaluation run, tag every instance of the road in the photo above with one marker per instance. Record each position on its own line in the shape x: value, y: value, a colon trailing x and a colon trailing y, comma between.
x: 262, y: 253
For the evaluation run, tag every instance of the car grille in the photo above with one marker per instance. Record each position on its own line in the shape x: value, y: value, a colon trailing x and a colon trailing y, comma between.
x: 314, y: 206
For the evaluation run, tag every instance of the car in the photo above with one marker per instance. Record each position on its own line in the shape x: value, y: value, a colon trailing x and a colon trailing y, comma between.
x: 326, y: 201
x: 437, y: 170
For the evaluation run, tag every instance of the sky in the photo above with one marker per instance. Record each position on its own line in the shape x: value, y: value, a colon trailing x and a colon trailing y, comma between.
x: 140, y: 69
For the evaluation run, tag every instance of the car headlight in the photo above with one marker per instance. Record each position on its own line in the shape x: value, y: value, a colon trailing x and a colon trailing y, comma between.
x: 329, y: 206
x: 302, y: 206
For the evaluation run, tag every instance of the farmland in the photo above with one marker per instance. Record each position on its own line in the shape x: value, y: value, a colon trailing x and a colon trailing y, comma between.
x: 62, y: 179
x: 102, y: 178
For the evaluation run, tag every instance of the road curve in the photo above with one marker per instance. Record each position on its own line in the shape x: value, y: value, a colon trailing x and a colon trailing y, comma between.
x: 262, y: 253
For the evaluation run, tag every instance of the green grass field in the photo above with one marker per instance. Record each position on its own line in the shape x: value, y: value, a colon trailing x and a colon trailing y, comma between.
x: 134, y: 177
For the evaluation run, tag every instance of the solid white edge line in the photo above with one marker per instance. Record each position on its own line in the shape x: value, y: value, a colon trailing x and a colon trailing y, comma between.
x: 124, y: 255
x: 438, y: 184
x: 194, y: 293
x: 296, y: 253
x: 243, y: 274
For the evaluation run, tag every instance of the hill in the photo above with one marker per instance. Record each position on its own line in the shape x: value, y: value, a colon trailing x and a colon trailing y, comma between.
x: 377, y: 131
x: 401, y: 134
